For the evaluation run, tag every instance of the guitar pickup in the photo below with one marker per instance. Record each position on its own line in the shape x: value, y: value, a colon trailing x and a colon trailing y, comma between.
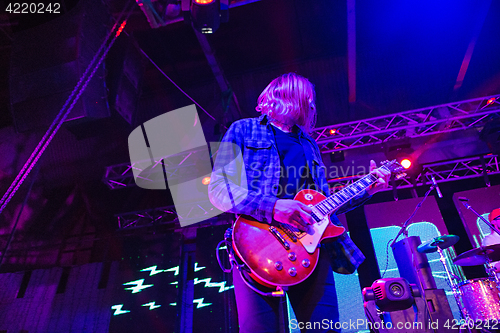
x: 279, y: 237
x: 287, y: 229
x: 316, y: 217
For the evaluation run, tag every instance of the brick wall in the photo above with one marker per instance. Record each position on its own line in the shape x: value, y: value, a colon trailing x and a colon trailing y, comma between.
x: 57, y: 300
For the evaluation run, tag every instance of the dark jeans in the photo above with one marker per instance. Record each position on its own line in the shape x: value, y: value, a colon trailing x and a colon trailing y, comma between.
x: 314, y: 301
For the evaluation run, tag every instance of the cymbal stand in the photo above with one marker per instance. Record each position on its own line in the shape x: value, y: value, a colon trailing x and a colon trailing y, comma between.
x: 465, y: 201
x: 491, y: 271
x: 453, y: 285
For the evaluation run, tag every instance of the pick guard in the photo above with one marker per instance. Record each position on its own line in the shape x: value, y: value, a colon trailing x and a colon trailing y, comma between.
x: 311, y: 240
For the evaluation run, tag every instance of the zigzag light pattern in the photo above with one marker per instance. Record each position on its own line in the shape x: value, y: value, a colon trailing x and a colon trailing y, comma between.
x: 221, y: 285
x: 118, y: 310
x: 152, y: 305
x: 200, y: 303
x: 153, y: 271
x: 138, y: 286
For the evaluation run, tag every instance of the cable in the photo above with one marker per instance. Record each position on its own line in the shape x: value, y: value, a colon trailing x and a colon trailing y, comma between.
x: 177, y: 86
x: 387, y: 257
x: 221, y: 265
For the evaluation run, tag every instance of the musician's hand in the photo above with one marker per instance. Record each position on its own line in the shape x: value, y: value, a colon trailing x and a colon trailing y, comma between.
x: 383, y: 178
x: 293, y: 212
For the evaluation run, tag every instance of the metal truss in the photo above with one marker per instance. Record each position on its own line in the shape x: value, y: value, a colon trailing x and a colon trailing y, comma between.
x: 428, y: 121
x: 185, y: 163
x: 452, y: 170
x: 155, y: 216
x: 408, y: 124
x: 443, y: 172
x: 167, y: 216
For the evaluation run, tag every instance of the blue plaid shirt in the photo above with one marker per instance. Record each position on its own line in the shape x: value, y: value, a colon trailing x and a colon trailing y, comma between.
x: 252, y: 190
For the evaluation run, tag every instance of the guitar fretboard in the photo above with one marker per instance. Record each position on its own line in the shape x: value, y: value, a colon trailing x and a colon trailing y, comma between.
x: 343, y: 196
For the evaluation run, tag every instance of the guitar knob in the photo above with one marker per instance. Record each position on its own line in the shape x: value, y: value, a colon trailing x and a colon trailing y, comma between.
x: 306, y: 263
x: 292, y: 271
x: 292, y: 256
x: 278, y: 265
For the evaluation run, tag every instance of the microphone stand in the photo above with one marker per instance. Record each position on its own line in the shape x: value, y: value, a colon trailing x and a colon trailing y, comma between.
x: 405, y: 232
x: 465, y: 201
x: 405, y: 225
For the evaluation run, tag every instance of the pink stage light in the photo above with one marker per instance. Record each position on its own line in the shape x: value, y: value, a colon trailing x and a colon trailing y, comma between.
x: 406, y: 163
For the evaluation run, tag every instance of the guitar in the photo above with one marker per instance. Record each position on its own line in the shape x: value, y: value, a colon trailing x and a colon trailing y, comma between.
x: 282, y: 255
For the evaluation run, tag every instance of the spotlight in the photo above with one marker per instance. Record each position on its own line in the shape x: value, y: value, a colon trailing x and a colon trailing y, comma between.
x: 206, y: 15
x: 333, y: 131
x: 205, y: 181
x: 391, y: 294
x: 491, y: 101
x: 406, y: 156
x: 405, y: 163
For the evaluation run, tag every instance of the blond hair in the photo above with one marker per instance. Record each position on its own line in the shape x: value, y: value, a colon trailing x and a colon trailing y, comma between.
x: 289, y: 99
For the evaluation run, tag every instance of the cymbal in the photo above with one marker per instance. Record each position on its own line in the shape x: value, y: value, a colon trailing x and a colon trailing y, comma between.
x: 478, y: 256
x: 443, y: 242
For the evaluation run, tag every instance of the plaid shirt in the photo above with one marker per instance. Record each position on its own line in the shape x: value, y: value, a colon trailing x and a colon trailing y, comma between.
x: 252, y: 190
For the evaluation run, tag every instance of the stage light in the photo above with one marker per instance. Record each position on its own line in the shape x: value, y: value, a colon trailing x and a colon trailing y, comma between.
x: 206, y: 15
x: 205, y: 181
x: 405, y: 163
x: 391, y: 294
x: 491, y: 101
x: 333, y: 131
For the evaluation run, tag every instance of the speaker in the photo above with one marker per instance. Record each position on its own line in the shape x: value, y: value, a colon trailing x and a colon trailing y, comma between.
x: 125, y: 69
x: 47, y: 63
x: 412, y: 264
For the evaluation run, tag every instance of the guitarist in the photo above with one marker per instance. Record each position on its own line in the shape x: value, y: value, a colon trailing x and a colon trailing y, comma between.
x: 279, y: 159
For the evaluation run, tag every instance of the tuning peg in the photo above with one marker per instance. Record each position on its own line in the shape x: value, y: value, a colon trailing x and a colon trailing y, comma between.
x: 401, y: 175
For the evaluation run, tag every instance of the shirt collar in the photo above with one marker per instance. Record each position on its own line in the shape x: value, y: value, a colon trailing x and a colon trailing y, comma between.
x: 263, y: 120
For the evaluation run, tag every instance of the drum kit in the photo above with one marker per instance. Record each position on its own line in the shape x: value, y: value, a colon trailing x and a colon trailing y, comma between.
x: 478, y: 299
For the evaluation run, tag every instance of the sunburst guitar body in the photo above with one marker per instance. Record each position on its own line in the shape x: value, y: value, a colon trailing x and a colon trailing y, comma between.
x: 275, y: 253
x: 280, y: 255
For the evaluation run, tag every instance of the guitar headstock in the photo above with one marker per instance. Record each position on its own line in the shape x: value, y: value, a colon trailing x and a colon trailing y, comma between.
x: 394, y: 167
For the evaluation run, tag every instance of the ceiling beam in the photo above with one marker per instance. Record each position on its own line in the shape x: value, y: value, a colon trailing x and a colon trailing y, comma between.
x: 351, y: 49
x: 432, y: 120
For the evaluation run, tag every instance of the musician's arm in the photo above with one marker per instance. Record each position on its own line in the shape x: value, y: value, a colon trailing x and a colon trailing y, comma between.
x: 229, y: 190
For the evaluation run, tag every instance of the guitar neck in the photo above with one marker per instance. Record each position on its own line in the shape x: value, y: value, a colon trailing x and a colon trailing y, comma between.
x: 335, y: 201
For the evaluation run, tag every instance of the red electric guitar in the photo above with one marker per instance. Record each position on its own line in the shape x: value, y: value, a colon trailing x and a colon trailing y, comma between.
x: 282, y: 255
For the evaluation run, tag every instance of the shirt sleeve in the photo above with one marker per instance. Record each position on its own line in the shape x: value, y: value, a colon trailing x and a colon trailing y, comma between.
x: 228, y: 189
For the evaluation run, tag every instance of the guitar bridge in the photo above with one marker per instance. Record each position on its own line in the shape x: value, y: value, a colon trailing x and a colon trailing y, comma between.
x: 286, y: 228
x: 279, y: 237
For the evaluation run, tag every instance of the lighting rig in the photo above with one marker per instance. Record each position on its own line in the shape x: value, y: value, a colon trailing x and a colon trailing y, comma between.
x: 205, y: 15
